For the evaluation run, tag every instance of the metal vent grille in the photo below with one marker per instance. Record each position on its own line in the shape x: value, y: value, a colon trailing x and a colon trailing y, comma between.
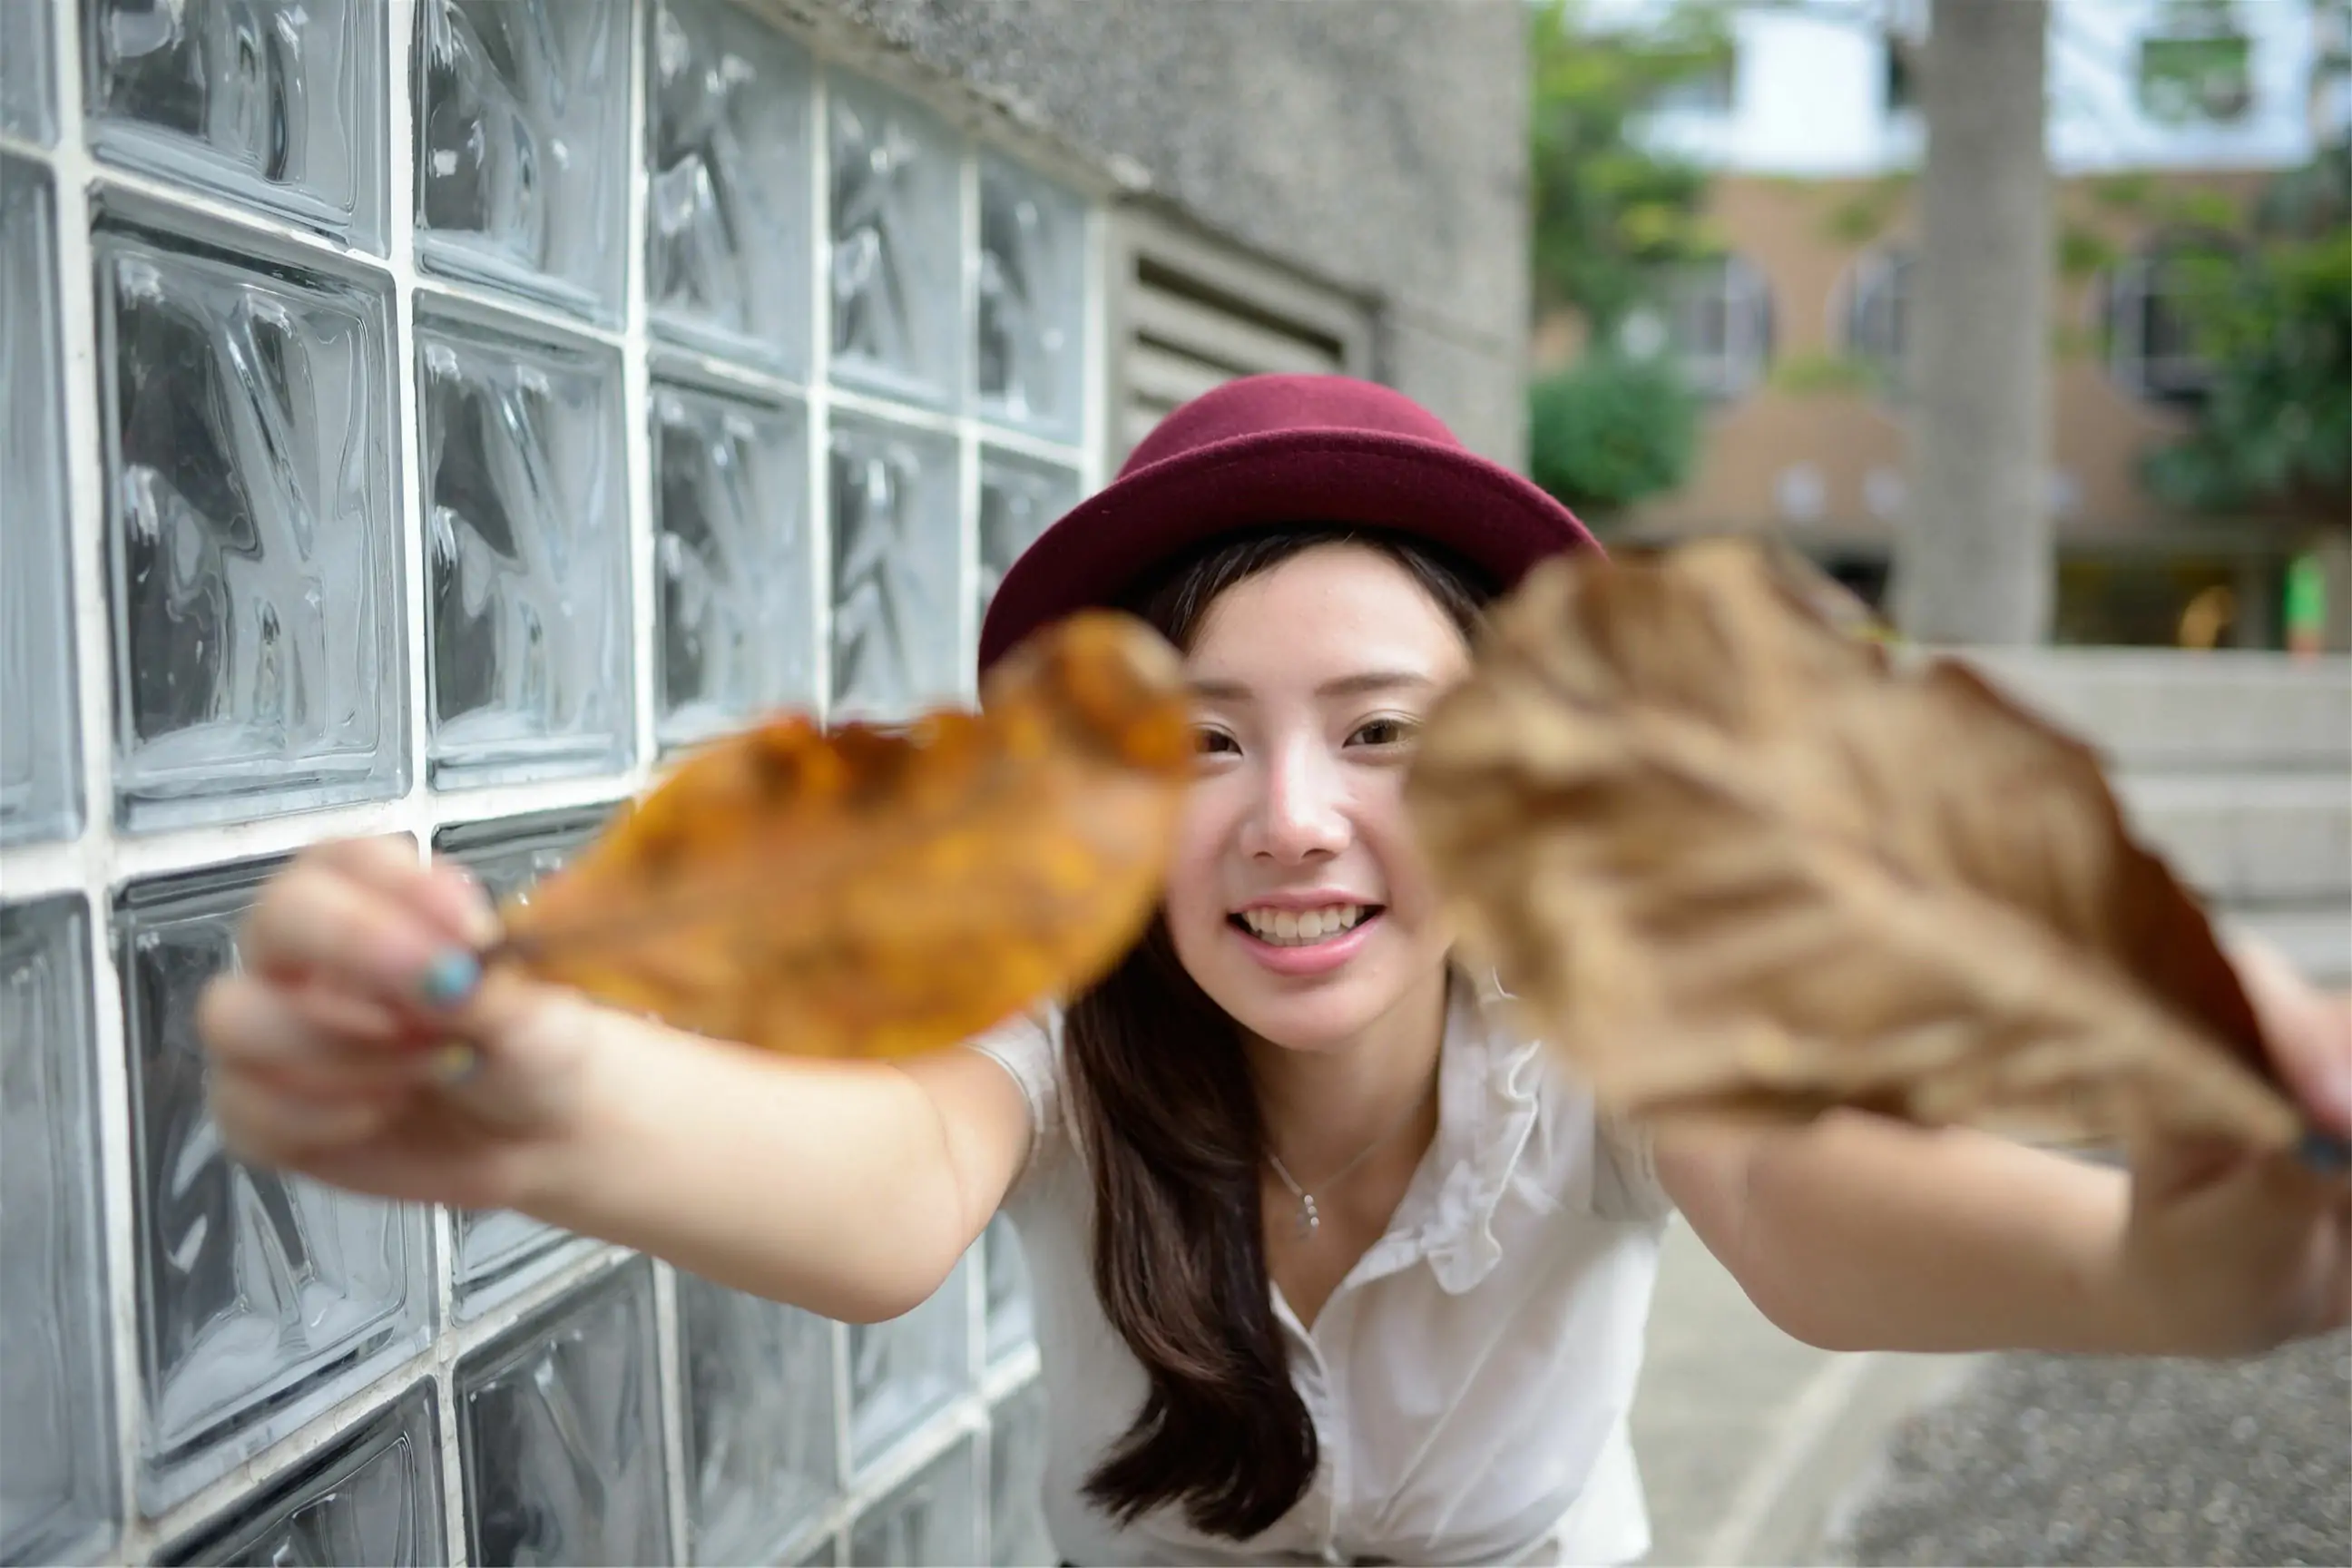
x: 1196, y: 314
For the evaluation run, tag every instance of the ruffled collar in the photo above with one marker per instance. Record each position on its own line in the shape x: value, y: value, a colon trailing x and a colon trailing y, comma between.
x: 1487, y: 1094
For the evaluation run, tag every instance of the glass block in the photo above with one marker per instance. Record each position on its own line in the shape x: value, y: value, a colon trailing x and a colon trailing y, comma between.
x: 497, y: 1250
x: 1031, y: 331
x: 934, y: 1518
x: 896, y: 643
x: 58, y: 1473
x: 820, y: 1554
x: 909, y: 1368
x: 559, y: 1428
x: 527, y: 553
x: 40, y: 761
x: 523, y: 156
x: 1020, y: 497
x: 253, y: 508
x: 897, y: 226
x: 263, y: 1297
x: 375, y: 1498
x: 735, y: 558
x: 1011, y: 1312
x: 728, y: 211
x: 28, y: 102
x: 759, y: 1457
x: 1017, y: 1534
x: 275, y: 103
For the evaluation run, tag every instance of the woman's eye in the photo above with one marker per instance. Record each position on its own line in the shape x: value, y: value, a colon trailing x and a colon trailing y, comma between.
x: 1383, y: 733
x: 1214, y: 742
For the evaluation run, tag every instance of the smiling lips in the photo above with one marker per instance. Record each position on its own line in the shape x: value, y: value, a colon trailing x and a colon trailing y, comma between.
x: 1305, y: 942
x: 1296, y: 928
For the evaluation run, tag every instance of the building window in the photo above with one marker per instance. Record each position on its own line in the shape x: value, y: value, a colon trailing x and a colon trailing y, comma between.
x: 2151, y: 348
x: 2196, y: 65
x: 1901, y: 86
x: 441, y: 486
x: 1877, y: 316
x: 1708, y: 89
x: 1715, y: 319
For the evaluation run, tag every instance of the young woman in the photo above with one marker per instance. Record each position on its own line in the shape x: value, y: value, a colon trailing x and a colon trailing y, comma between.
x: 1329, y: 1265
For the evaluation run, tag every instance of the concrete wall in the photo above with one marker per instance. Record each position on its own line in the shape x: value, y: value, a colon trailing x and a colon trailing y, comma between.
x: 1380, y: 146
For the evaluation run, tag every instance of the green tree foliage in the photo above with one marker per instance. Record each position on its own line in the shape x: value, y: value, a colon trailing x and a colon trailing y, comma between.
x: 1611, y: 220
x: 2275, y: 322
x: 1611, y: 431
x: 1610, y: 216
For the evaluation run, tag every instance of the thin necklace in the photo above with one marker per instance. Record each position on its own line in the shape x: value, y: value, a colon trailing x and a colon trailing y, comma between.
x: 1310, y: 1214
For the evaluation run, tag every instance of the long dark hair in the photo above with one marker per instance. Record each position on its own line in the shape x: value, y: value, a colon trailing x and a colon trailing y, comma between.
x: 1163, y: 1107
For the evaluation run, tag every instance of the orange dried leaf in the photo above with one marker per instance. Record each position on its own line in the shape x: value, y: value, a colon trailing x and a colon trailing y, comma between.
x: 876, y: 893
x: 1733, y: 862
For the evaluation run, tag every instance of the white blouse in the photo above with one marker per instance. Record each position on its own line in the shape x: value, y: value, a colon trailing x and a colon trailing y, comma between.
x: 1468, y: 1380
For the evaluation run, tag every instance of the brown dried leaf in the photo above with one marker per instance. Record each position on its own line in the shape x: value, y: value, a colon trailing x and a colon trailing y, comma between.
x: 876, y: 893
x: 1736, y: 863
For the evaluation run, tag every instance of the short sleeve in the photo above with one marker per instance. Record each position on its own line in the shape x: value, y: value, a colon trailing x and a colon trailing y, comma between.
x: 1029, y: 1048
x: 1625, y: 1185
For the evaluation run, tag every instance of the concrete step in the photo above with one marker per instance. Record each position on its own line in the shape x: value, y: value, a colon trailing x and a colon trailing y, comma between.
x: 2249, y: 839
x: 2155, y: 710
x: 2317, y: 941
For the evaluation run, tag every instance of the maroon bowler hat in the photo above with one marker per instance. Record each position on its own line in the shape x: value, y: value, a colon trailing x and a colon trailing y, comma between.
x: 1268, y: 449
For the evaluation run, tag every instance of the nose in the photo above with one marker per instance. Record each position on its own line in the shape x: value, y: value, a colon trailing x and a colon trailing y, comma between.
x: 1301, y: 813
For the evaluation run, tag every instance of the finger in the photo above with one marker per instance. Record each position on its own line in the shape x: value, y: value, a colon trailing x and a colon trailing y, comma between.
x: 313, y: 921
x: 250, y: 1027
x: 2309, y: 1033
x: 444, y: 892
x: 360, y: 1019
x: 266, y: 1125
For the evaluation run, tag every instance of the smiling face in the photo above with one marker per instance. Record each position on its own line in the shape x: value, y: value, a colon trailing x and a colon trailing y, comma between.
x: 1296, y: 899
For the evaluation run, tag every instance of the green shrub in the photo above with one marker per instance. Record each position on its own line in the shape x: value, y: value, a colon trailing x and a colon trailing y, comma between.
x: 1610, y: 431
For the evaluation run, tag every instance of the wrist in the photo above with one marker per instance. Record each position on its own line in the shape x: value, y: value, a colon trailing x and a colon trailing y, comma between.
x: 569, y: 1113
x: 2128, y: 1305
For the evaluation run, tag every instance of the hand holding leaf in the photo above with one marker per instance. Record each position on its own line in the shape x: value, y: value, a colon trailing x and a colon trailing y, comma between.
x: 1733, y: 861
x: 868, y: 893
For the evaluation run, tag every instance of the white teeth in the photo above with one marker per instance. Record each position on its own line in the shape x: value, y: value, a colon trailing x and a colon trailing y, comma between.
x: 1294, y: 928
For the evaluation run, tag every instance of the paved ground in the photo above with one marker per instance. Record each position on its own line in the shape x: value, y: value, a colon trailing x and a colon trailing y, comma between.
x: 2049, y: 1459
x: 1756, y: 1449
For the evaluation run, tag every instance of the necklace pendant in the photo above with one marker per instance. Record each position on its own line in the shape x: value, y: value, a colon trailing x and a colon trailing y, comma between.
x: 1309, y: 1218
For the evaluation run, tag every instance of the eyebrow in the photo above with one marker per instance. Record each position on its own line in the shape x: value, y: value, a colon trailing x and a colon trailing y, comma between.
x: 1361, y: 685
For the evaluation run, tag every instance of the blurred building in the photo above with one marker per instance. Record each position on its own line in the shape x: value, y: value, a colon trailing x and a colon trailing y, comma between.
x: 2156, y: 108
x: 426, y: 417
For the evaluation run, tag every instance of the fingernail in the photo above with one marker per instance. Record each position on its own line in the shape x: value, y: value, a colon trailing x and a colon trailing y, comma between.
x: 453, y: 1062
x: 2330, y: 1154
x: 450, y: 978
x: 481, y: 913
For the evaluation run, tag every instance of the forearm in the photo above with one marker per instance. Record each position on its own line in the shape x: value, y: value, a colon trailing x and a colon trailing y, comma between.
x: 831, y: 1185
x: 1860, y: 1233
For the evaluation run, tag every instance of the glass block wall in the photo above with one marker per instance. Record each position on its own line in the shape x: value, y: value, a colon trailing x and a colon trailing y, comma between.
x: 423, y: 416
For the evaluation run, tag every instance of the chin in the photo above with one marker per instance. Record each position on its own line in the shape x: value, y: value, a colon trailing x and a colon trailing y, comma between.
x: 1324, y: 1014
x: 1308, y: 1024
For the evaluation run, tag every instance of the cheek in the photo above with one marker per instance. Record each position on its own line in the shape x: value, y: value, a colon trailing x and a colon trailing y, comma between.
x: 1195, y: 894
x: 1387, y: 831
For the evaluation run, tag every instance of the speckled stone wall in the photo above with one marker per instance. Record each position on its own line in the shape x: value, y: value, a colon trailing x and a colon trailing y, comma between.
x: 1377, y: 143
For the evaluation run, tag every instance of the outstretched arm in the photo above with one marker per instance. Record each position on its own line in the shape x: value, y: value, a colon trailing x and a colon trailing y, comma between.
x: 362, y: 1046
x: 1859, y: 1233
x: 849, y: 1189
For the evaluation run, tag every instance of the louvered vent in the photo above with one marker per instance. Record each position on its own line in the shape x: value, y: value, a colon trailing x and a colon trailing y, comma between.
x: 1196, y: 314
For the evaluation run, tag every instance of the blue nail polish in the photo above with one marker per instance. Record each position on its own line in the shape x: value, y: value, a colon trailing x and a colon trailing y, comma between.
x: 2329, y: 1153
x: 451, y: 978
